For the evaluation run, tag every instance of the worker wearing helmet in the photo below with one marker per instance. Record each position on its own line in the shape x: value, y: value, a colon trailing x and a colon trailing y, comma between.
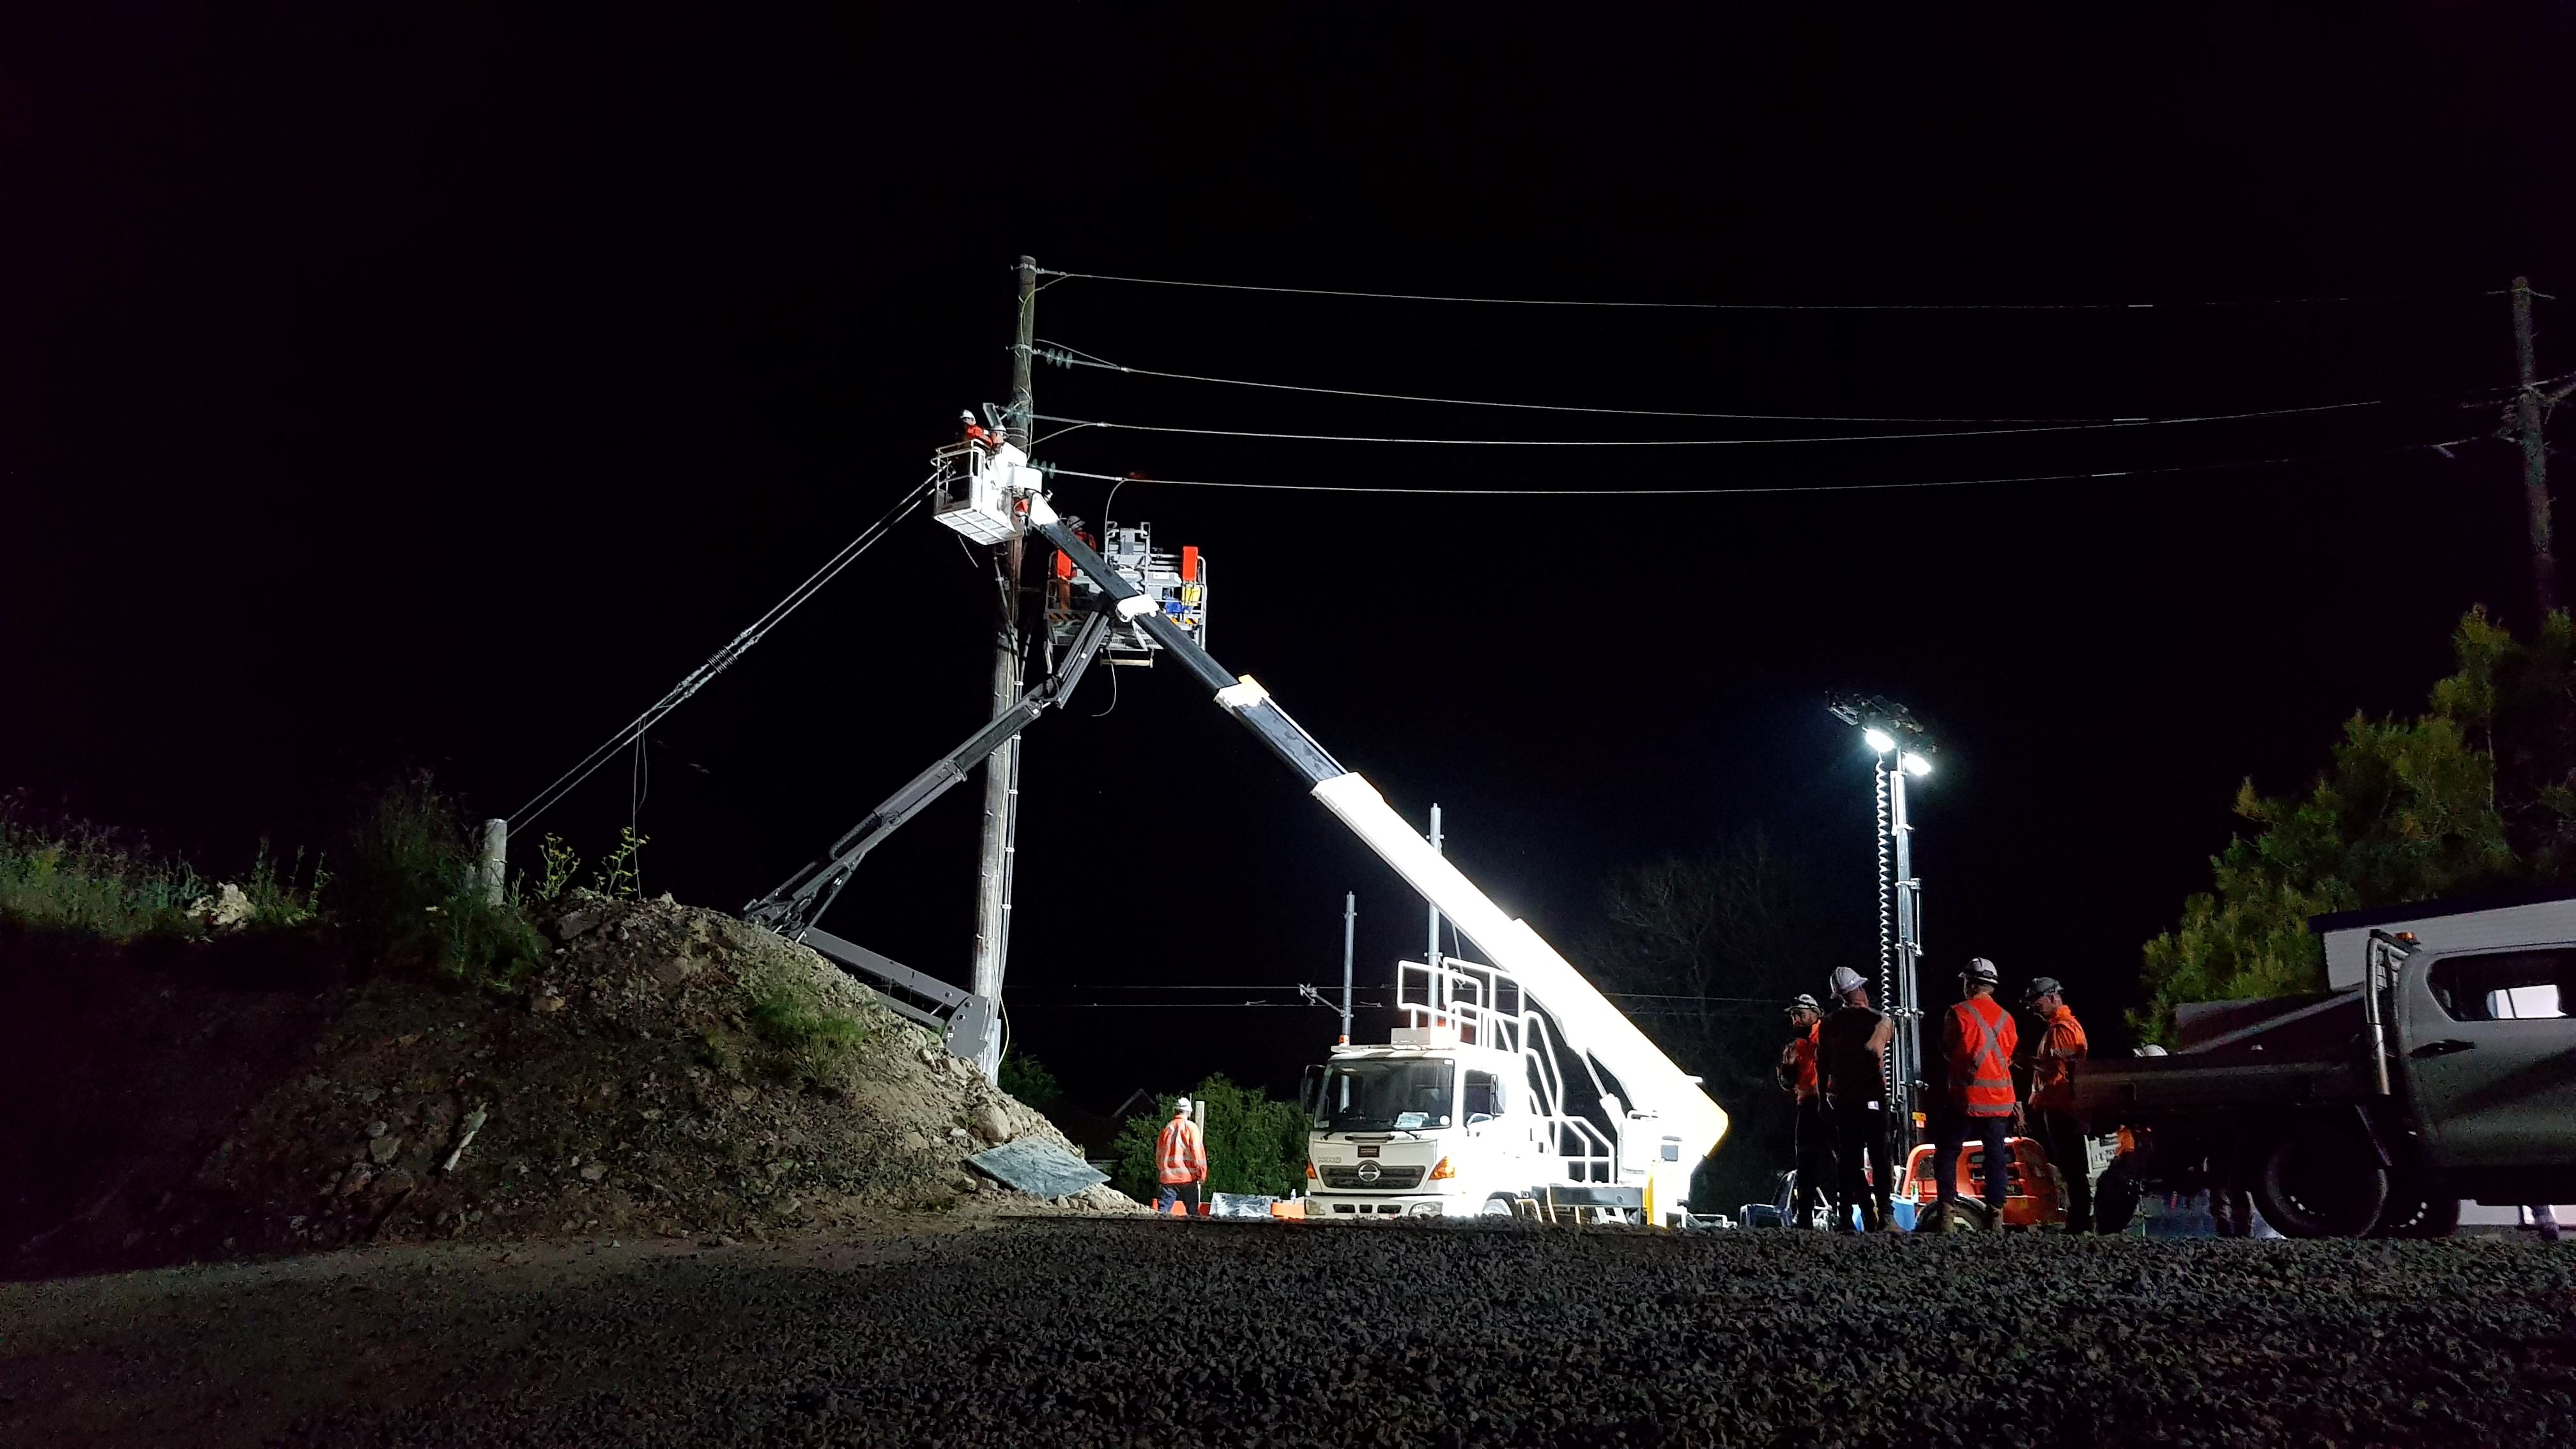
x: 1811, y: 1141
x: 1977, y: 1041
x: 2055, y: 1049
x: 1180, y: 1159
x: 1851, y: 1066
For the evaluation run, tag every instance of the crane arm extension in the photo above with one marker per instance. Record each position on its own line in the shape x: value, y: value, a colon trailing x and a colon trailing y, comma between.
x: 793, y: 906
x: 1586, y: 1020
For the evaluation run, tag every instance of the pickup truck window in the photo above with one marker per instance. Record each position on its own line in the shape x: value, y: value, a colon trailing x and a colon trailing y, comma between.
x: 2510, y: 986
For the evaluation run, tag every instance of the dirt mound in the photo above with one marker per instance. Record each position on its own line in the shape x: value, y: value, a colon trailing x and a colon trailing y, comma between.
x: 670, y: 1070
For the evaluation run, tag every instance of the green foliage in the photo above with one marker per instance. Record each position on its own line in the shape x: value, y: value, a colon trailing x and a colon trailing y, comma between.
x: 1254, y: 1145
x: 275, y: 898
x: 1027, y: 1079
x: 410, y: 894
x: 73, y: 876
x: 620, y: 876
x: 2474, y: 794
x: 560, y: 863
x: 806, y: 1037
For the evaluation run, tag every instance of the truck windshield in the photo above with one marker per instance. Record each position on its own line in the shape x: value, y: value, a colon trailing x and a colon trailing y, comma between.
x: 1387, y: 1096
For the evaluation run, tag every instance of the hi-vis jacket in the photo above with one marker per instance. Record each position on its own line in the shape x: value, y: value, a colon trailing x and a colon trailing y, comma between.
x: 1179, y: 1154
x: 1978, y: 1037
x: 2052, y: 1075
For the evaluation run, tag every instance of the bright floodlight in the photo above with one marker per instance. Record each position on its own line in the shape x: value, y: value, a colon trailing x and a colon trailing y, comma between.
x: 1879, y: 739
x: 1914, y: 764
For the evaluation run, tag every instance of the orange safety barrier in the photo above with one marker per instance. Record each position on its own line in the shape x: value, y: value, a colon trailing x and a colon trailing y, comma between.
x: 1287, y: 1209
x: 2024, y: 1207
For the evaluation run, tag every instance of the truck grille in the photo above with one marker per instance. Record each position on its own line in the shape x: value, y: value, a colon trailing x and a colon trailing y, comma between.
x: 1390, y: 1178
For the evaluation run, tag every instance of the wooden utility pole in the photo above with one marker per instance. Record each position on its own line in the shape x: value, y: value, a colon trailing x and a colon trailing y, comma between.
x: 2535, y: 455
x: 1002, y: 769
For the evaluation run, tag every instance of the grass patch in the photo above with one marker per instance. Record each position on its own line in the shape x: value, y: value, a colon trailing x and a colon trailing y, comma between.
x: 75, y: 877
x: 806, y: 1038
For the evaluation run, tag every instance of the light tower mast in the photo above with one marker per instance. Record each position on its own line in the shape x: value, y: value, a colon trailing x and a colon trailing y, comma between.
x: 1903, y: 749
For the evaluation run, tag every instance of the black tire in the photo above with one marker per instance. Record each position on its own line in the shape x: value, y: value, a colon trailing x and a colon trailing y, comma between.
x: 2116, y: 1195
x: 2315, y: 1183
x: 2411, y: 1214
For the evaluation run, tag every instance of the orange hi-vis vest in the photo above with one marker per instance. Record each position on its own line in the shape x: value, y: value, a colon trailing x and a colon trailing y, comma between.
x: 1179, y: 1155
x: 2052, y: 1069
x: 1802, y: 1085
x: 1980, y: 1039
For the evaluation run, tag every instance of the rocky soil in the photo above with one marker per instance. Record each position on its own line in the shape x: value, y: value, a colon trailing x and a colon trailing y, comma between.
x: 1084, y: 1332
x: 671, y: 1072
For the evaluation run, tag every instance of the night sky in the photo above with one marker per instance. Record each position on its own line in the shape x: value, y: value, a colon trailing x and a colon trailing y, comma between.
x: 388, y: 385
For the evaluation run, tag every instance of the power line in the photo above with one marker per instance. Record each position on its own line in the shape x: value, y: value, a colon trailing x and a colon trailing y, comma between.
x: 1748, y: 489
x: 1753, y: 306
x: 717, y: 662
x: 1064, y: 356
x: 2125, y: 423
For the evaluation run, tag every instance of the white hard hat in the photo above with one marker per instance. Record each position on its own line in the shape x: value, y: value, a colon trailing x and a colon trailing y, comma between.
x: 1181, y: 1105
x: 1846, y: 979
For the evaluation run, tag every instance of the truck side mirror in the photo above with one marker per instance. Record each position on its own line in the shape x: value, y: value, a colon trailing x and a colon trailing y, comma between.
x: 1310, y: 1089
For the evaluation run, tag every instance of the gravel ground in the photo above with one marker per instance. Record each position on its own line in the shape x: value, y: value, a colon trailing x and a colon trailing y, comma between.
x: 1077, y: 1332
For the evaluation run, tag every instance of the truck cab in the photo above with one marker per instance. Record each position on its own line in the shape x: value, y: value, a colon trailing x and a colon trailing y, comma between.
x: 1423, y: 1127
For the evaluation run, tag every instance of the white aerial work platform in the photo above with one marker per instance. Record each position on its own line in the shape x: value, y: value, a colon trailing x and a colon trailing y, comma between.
x: 1472, y: 1108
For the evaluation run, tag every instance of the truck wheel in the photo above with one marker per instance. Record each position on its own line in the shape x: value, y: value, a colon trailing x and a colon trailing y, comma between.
x: 2410, y: 1214
x: 2320, y: 1184
x: 2115, y: 1198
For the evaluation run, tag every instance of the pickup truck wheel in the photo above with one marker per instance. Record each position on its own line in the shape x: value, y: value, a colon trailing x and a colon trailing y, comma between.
x: 2115, y: 1198
x: 2320, y: 1184
x: 2411, y: 1214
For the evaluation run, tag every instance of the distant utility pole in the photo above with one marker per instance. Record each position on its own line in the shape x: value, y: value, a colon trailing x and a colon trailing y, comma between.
x: 1350, y: 921
x: 1002, y: 771
x: 2535, y: 455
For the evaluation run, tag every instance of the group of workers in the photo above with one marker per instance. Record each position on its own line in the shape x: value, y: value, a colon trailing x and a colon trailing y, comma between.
x: 1835, y: 1069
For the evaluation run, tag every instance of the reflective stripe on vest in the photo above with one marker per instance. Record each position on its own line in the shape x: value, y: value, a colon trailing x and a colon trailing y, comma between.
x: 1178, y: 1156
x: 1983, y: 1082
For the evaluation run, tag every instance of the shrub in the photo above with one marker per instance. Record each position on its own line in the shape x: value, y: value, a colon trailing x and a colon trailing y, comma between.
x: 1254, y: 1145
x: 410, y: 894
x: 1027, y: 1079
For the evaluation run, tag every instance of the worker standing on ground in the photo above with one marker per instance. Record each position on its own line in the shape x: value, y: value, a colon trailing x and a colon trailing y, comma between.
x: 1180, y: 1159
x: 1977, y: 1041
x: 1811, y: 1141
x: 2055, y: 1049
x: 1851, y: 1063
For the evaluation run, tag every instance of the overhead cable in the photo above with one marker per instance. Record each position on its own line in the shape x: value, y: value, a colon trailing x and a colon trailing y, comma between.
x: 719, y: 661
x: 1753, y: 306
x: 1063, y: 356
x: 2124, y: 423
x: 1736, y: 490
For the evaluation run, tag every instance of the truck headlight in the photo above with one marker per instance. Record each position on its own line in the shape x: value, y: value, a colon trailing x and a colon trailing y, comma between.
x: 1423, y: 1210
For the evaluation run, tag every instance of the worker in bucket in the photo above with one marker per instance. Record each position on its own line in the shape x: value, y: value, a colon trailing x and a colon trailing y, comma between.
x: 1180, y: 1159
x: 1811, y: 1141
x: 2055, y: 1049
x: 1977, y: 1042
x: 1851, y: 1063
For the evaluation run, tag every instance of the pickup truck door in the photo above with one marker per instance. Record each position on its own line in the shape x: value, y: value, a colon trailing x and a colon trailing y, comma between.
x: 2488, y: 1053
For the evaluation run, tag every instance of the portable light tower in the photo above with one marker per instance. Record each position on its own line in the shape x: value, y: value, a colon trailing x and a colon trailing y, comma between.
x: 1891, y: 730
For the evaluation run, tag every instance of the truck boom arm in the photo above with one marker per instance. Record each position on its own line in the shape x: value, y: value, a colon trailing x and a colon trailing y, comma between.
x: 793, y: 907
x: 1585, y: 1019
